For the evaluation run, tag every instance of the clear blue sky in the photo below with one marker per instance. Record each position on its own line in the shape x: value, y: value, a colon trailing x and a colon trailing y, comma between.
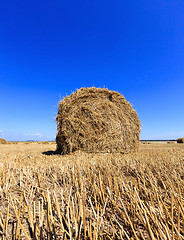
x: 48, y: 49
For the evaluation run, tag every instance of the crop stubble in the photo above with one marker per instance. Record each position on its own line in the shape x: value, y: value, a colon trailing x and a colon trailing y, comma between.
x: 91, y: 196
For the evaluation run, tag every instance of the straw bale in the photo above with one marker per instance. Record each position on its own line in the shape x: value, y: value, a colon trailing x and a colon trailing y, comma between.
x: 180, y: 140
x: 96, y: 120
x: 3, y: 141
x: 170, y: 142
x: 45, y: 142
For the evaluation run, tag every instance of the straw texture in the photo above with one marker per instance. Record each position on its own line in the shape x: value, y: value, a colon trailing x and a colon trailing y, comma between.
x: 96, y: 120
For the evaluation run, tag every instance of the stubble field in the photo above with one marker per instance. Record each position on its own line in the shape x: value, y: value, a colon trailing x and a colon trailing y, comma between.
x: 91, y: 196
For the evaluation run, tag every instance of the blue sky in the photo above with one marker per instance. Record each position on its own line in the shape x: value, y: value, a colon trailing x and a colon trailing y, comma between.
x: 48, y: 49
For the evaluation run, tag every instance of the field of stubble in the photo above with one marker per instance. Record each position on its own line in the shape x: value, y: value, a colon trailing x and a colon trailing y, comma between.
x: 91, y: 196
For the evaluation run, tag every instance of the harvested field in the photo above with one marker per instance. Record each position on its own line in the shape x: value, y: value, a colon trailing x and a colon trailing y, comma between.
x: 91, y: 196
x: 97, y: 120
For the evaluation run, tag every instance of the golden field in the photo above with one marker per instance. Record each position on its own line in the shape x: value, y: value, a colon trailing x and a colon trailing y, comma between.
x: 91, y: 196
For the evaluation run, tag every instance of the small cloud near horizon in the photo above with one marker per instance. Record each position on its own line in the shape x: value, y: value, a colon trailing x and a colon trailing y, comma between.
x: 37, y: 134
x: 34, y: 134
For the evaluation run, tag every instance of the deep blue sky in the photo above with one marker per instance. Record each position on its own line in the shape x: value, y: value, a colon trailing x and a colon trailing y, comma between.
x: 48, y: 49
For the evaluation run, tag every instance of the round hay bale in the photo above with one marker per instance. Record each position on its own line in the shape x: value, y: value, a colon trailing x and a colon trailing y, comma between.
x: 170, y: 142
x: 3, y: 141
x: 96, y: 120
x: 45, y: 142
x: 180, y: 140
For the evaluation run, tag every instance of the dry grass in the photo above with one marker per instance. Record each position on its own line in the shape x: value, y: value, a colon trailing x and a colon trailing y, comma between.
x: 91, y: 196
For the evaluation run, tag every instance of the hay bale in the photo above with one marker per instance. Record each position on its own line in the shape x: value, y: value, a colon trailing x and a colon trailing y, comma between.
x: 180, y: 140
x: 3, y: 141
x: 45, y: 142
x: 170, y: 142
x: 96, y: 120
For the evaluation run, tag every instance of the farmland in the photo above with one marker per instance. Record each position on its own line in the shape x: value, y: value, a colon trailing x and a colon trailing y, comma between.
x: 91, y: 196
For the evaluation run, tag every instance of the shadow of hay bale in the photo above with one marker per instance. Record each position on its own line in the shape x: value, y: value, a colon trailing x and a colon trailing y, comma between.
x: 49, y: 153
x: 96, y: 120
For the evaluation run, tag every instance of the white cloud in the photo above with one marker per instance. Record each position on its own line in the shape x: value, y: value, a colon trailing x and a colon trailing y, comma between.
x: 1, y: 131
x: 34, y: 134
x: 37, y: 134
